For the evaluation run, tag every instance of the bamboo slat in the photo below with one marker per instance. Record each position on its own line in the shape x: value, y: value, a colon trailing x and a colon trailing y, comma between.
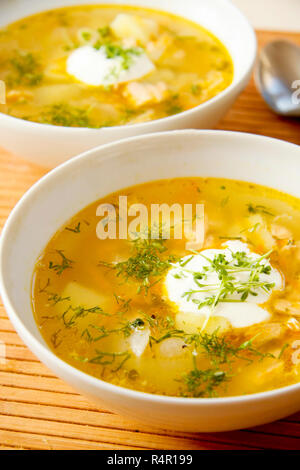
x: 39, y: 411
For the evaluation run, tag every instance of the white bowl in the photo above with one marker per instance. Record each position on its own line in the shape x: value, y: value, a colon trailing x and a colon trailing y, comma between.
x: 82, y: 180
x: 50, y: 145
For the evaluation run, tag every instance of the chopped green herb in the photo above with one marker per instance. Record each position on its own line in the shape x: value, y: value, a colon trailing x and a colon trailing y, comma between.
x: 72, y: 314
x: 224, y: 201
x: 66, y: 115
x: 105, y: 31
x: 55, y: 339
x: 145, y: 263
x: 26, y: 70
x: 128, y: 114
x: 44, y: 289
x: 195, y: 89
x: 220, y: 352
x: 173, y: 106
x: 115, y: 50
x: 86, y: 35
x: 55, y: 299
x: 107, y: 358
x: 284, y: 347
x: 75, y: 230
x: 201, y: 383
x: 259, y: 209
x: 173, y: 109
x: 252, y: 229
x: 65, y: 263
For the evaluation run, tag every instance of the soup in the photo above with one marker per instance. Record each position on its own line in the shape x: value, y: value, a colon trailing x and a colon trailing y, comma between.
x: 209, y: 317
x: 97, y: 66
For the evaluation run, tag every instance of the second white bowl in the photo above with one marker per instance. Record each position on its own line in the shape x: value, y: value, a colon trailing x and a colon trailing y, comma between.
x: 50, y: 145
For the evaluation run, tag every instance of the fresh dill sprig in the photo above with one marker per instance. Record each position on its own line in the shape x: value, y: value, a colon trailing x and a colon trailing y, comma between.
x: 55, y: 339
x: 126, y: 329
x: 44, y: 289
x: 75, y: 229
x: 220, y: 352
x: 145, y: 263
x: 255, y: 209
x: 124, y: 304
x: 162, y: 328
x: 55, y: 298
x: 108, y: 358
x: 72, y: 314
x: 66, y: 263
x: 203, y: 382
x: 169, y: 334
x: 105, y: 358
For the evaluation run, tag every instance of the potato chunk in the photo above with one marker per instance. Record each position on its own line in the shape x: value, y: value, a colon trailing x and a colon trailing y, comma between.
x: 135, y: 27
x: 46, y: 95
x: 85, y: 297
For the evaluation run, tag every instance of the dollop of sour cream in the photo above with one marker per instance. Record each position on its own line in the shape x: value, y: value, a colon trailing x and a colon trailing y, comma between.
x: 93, y: 67
x: 181, y: 279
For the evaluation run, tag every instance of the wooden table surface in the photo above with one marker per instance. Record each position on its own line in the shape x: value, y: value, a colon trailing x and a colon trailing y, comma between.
x: 39, y: 411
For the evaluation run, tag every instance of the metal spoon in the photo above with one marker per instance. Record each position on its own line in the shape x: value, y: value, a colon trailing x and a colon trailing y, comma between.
x: 277, y: 77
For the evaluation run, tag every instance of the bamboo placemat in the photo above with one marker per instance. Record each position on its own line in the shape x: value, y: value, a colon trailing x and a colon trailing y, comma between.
x: 39, y: 411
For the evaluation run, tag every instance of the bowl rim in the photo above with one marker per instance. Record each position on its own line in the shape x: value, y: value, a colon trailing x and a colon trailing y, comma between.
x: 42, y: 350
x: 167, y: 119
